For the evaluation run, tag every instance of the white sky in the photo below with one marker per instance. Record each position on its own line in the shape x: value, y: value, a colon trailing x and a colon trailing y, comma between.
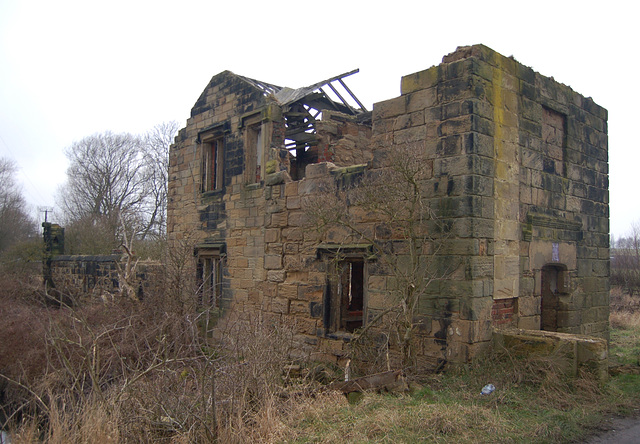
x: 69, y: 69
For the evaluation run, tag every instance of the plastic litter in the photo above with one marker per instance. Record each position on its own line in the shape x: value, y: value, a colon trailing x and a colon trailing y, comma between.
x: 488, y: 389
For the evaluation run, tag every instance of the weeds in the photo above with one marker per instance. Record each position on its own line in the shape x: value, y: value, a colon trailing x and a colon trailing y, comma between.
x: 131, y: 372
x: 127, y: 371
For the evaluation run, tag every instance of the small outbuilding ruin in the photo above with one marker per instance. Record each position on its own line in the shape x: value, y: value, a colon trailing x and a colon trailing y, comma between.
x: 516, y: 179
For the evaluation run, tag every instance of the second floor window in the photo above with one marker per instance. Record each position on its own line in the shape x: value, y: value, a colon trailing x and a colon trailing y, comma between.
x: 212, y: 164
x: 254, y: 148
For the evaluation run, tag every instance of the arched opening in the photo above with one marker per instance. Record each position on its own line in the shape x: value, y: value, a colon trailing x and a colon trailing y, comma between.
x: 552, y: 286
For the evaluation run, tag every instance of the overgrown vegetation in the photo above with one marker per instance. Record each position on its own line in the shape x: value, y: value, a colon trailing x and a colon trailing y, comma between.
x: 533, y: 402
x: 625, y: 261
x: 18, y: 230
x: 127, y: 371
x: 116, y: 183
x: 141, y: 371
x: 388, y: 208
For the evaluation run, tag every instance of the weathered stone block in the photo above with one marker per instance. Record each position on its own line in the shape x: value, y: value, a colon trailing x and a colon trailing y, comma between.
x: 299, y: 307
x: 575, y: 351
x: 409, y: 135
x: 420, y: 80
x: 289, y: 291
x: 390, y: 108
x: 279, y: 219
x: 272, y: 262
x: 276, y: 275
x: 470, y: 331
x: 280, y: 305
x: 314, y: 186
x: 293, y: 202
x: 272, y: 235
x: 529, y: 322
x: 421, y: 99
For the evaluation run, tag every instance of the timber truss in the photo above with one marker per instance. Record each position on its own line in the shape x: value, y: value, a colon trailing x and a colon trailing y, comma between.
x: 303, y: 107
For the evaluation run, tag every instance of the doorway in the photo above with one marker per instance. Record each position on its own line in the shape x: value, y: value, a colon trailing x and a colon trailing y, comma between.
x: 552, y: 287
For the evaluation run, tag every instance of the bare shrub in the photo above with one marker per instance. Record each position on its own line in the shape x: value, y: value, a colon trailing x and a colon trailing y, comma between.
x: 625, y: 310
x: 122, y: 369
x: 388, y: 208
x: 151, y: 375
x: 625, y: 320
x: 625, y: 261
x: 22, y: 335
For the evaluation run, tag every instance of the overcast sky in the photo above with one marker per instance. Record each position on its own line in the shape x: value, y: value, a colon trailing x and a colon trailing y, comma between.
x: 69, y: 69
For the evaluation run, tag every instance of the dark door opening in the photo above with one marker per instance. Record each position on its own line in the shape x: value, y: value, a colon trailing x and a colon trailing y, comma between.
x: 551, y: 289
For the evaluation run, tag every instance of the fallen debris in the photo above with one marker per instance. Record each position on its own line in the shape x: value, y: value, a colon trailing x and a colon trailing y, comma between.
x: 388, y: 381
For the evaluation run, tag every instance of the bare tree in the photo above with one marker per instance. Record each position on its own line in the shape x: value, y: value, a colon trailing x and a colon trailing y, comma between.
x: 15, y: 223
x: 105, y: 178
x: 114, y: 177
x: 156, y: 146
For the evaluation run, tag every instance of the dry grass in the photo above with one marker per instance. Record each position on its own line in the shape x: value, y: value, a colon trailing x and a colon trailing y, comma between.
x: 134, y: 372
x: 113, y: 376
x: 109, y: 376
x: 533, y: 403
x: 625, y: 310
x: 93, y: 424
x: 625, y: 320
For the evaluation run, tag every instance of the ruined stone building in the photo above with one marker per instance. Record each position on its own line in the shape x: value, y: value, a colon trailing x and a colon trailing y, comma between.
x: 517, y: 178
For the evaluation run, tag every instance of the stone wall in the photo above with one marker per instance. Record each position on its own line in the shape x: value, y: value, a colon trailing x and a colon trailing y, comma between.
x: 85, y: 277
x: 344, y: 140
x: 517, y: 175
x: 570, y: 353
x: 191, y: 209
x: 520, y: 177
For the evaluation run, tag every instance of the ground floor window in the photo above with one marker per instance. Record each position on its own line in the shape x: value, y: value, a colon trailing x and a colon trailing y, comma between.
x: 344, y: 302
x: 349, y: 300
x: 209, y: 276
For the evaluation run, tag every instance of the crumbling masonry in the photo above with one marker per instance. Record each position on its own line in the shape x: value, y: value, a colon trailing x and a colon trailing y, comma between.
x: 518, y: 175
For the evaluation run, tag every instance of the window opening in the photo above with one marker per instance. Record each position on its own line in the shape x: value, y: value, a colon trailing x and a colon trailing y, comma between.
x: 209, y: 277
x: 254, y: 144
x: 213, y: 162
x: 351, y: 295
x: 344, y: 305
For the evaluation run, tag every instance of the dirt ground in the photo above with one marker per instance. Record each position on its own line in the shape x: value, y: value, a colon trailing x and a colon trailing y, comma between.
x: 618, y: 431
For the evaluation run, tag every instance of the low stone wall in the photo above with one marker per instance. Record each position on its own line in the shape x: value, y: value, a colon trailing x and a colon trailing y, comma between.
x: 573, y: 352
x: 84, y: 277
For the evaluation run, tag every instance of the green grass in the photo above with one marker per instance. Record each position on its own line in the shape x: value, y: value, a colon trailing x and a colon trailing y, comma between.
x: 533, y: 403
x: 625, y: 347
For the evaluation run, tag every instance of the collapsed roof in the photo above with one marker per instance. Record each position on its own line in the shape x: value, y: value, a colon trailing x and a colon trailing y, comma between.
x: 302, y: 107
